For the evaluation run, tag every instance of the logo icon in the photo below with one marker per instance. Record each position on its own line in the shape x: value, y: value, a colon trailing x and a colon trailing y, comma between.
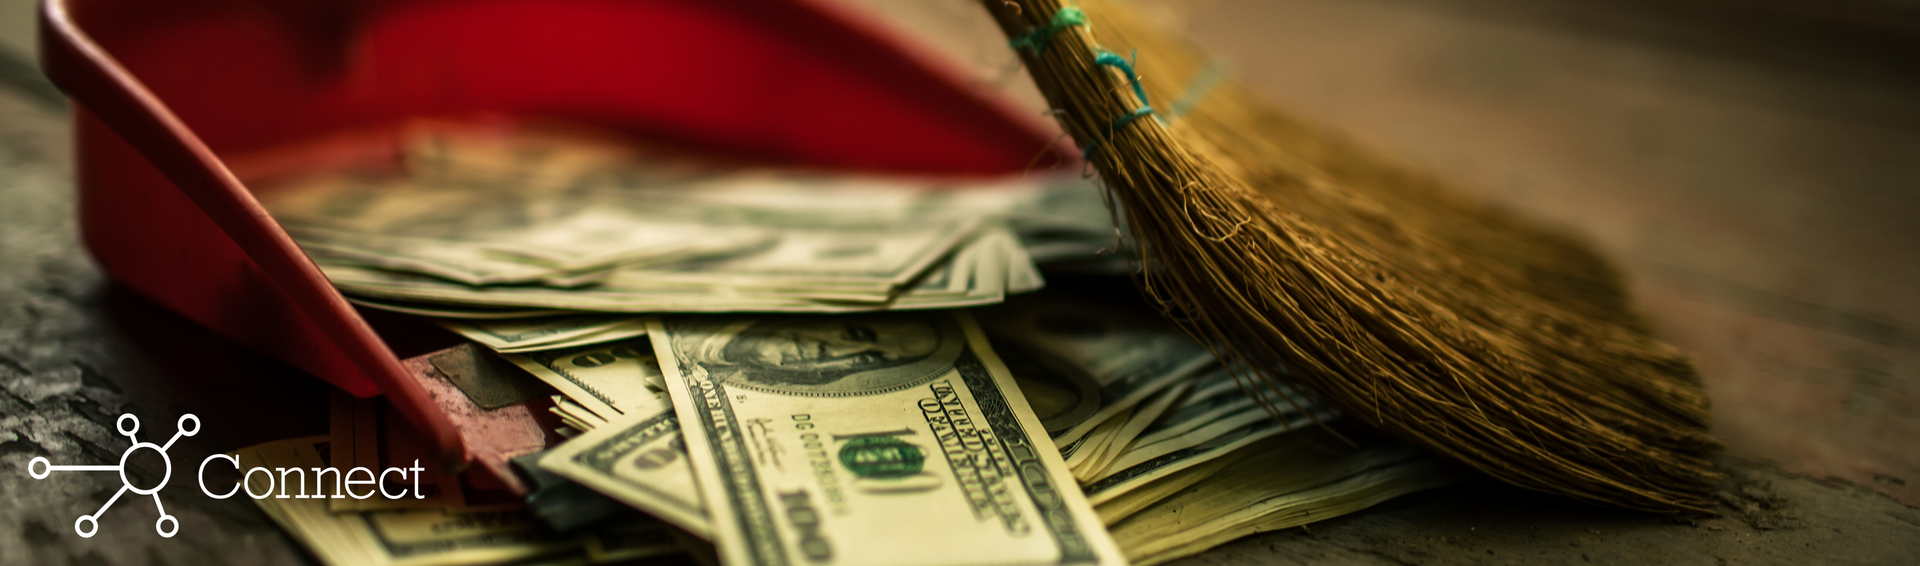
x: 87, y: 525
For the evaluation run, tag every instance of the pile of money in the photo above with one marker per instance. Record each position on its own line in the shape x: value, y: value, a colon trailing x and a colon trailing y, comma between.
x: 486, y: 227
x: 761, y: 367
x: 1145, y: 422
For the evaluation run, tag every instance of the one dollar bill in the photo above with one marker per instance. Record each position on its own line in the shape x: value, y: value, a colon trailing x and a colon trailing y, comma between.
x: 895, y: 439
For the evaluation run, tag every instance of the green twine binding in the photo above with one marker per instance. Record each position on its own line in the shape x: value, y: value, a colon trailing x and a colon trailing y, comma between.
x: 1038, y: 39
x: 1124, y: 120
x: 1110, y: 59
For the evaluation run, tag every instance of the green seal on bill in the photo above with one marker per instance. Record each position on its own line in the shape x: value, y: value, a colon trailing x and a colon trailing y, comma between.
x: 881, y: 457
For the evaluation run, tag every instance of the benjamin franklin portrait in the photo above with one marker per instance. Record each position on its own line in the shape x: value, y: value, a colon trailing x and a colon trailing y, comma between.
x: 829, y: 355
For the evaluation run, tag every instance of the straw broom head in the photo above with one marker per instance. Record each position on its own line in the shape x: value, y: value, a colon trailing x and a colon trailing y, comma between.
x: 1298, y: 256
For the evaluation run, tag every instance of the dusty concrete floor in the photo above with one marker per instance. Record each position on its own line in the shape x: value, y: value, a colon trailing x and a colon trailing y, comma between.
x: 1762, y: 203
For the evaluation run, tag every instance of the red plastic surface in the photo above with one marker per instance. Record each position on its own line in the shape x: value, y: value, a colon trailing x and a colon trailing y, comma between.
x: 165, y: 92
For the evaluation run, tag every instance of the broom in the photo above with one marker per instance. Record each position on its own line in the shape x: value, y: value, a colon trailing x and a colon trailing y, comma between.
x: 1297, y: 256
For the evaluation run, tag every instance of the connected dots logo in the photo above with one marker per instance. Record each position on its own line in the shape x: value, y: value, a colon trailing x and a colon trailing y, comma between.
x: 87, y: 525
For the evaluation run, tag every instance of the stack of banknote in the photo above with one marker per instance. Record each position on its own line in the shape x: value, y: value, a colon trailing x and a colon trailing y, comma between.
x: 1144, y: 422
x: 479, y: 226
x: 789, y: 367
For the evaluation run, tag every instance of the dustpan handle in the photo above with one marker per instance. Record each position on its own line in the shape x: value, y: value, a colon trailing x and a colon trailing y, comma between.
x: 100, y: 84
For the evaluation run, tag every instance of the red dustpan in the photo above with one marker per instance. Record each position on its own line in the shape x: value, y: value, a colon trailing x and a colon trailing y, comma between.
x: 167, y: 93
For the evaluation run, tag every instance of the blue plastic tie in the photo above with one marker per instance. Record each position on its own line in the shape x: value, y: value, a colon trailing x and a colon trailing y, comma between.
x: 1038, y: 39
x: 1110, y: 59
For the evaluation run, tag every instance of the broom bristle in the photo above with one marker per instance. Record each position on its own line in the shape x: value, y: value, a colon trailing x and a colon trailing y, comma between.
x: 1440, y: 320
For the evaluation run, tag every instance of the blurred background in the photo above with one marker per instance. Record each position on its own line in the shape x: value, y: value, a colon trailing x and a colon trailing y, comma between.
x: 1753, y: 166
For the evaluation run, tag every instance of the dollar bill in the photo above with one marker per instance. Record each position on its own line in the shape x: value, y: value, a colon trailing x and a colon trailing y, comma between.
x: 868, y: 439
x: 1131, y: 472
x: 867, y: 263
x: 1093, y: 442
x: 573, y: 425
x: 1120, y: 438
x: 483, y: 235
x: 1126, y: 352
x: 1215, y: 392
x: 575, y: 415
x: 1275, y: 490
x: 1249, y: 420
x: 1217, y: 404
x: 402, y: 537
x: 489, y: 233
x: 975, y: 275
x: 628, y: 541
x: 453, y: 311
x: 605, y: 237
x: 1295, y: 459
x: 1125, y: 505
x: 558, y: 157
x: 641, y: 461
x: 560, y: 219
x: 461, y: 262
x: 608, y: 380
x: 1022, y: 275
x: 520, y: 334
x: 622, y: 331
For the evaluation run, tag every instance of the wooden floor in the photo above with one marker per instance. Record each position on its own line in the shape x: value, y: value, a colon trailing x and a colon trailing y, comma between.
x: 1757, y: 177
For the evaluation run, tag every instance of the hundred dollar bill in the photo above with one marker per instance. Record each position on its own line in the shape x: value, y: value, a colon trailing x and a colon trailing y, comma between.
x: 486, y: 233
x: 1128, y: 354
x: 508, y: 335
x: 869, y: 439
x: 975, y: 275
x: 610, y: 380
x: 1214, y: 393
x: 521, y: 216
x: 1130, y: 471
x: 641, y: 461
x: 1295, y: 410
x: 1143, y: 415
x: 1288, y: 457
x: 1094, y: 441
x: 402, y: 537
x: 530, y: 157
x: 629, y: 541
x: 462, y: 262
x: 1217, y: 405
x: 1113, y: 510
x: 447, y: 311
x: 575, y: 415
x: 855, y: 263
x: 624, y: 330
x: 1262, y: 492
